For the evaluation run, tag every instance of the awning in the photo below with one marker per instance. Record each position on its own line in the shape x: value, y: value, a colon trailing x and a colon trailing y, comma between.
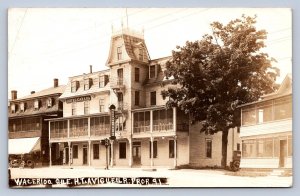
x: 24, y: 145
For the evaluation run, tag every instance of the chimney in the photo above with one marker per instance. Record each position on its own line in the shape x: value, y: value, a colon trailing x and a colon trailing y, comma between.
x: 32, y: 92
x: 55, y: 82
x: 91, y: 68
x: 14, y: 95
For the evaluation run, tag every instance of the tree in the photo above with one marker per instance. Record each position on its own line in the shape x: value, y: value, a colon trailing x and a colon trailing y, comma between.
x: 218, y: 73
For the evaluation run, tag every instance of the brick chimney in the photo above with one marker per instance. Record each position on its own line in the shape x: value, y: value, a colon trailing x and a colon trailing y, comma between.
x: 55, y: 82
x: 14, y: 94
x: 32, y: 92
x: 91, y: 68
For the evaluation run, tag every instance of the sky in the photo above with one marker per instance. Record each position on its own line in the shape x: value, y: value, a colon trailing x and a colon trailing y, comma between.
x: 48, y: 43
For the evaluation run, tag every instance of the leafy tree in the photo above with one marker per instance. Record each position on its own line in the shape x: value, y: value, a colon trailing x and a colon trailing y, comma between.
x: 220, y: 72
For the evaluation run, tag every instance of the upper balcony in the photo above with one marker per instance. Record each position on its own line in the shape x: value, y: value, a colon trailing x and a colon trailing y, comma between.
x: 159, y: 122
x: 117, y: 84
x: 94, y: 127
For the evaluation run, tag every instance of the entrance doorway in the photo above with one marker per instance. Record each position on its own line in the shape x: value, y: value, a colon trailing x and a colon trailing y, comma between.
x: 136, y: 153
x: 84, y: 153
x: 282, y: 153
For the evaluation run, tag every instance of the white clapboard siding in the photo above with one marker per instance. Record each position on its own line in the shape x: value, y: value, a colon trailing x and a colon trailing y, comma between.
x: 264, y: 163
x: 267, y: 128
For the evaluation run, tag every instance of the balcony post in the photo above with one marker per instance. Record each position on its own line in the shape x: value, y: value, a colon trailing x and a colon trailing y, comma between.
x: 151, y: 121
x: 174, y: 119
x: 89, y: 127
x: 49, y: 132
x: 68, y: 129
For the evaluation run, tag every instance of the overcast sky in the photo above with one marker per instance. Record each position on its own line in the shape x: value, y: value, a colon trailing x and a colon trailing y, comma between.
x: 44, y: 44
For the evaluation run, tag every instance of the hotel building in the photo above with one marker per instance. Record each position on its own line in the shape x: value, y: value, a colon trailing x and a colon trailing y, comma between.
x: 147, y: 133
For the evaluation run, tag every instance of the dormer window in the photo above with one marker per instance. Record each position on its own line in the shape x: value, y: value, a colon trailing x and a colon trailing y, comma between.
x: 103, y: 80
x: 13, y: 108
x: 87, y: 83
x: 119, y: 53
x: 152, y: 71
x: 36, y: 104
x: 49, y: 103
x: 74, y: 86
x: 22, y: 107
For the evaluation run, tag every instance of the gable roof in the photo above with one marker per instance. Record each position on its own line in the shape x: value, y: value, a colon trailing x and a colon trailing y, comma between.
x: 46, y: 92
x: 285, y: 88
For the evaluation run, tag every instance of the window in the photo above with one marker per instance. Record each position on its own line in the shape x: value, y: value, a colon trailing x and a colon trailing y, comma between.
x: 120, y: 101
x: 74, y: 108
x: 152, y: 71
x: 154, y: 149
x: 208, y: 148
x: 153, y: 98
x: 13, y: 108
x: 74, y: 86
x: 283, y: 108
x: 96, y: 151
x: 264, y: 112
x: 249, y: 148
x: 119, y: 53
x: 238, y: 146
x: 248, y: 115
x: 171, y: 149
x: 87, y: 83
x: 22, y: 107
x: 122, y: 150
x: 49, y: 103
x: 101, y: 105
x: 120, y: 76
x: 36, y: 104
x: 86, y: 107
x: 137, y: 98
x: 101, y: 81
x: 141, y: 54
x: 75, y: 151
x: 136, y: 74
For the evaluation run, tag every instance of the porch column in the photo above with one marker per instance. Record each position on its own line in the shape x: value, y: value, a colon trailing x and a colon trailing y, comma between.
x: 69, y: 146
x: 50, y: 158
x: 175, y: 151
x: 111, y: 153
x: 130, y: 152
x: 151, y: 146
x: 174, y: 119
x: 89, y: 152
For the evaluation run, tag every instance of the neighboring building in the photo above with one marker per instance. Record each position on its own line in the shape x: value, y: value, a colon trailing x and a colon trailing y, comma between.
x: 266, y: 130
x: 28, y: 130
x: 147, y: 134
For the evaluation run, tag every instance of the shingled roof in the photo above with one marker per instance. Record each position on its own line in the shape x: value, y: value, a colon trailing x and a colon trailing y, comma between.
x: 49, y: 91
